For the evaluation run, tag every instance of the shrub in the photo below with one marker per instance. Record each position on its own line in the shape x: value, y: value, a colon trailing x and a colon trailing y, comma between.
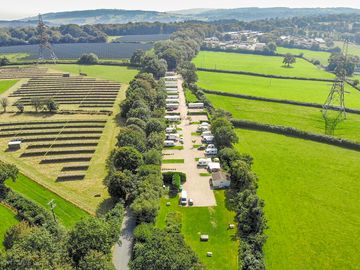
x: 20, y: 107
x: 88, y: 59
x: 176, y: 181
x: 173, y: 222
x: 168, y: 176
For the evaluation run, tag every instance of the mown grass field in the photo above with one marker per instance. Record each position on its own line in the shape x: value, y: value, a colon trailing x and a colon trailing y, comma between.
x: 258, y: 64
x: 189, y: 96
x: 213, y: 221
x: 6, y: 84
x: 67, y: 213
x: 8, y: 219
x: 304, y: 118
x: 323, y: 57
x: 113, y: 73
x: 305, y: 91
x: 311, y: 192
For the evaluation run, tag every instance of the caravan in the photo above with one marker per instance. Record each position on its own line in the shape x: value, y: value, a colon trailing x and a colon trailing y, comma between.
x: 169, y: 143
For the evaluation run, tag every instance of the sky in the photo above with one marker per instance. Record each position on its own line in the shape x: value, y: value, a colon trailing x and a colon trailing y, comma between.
x: 16, y: 9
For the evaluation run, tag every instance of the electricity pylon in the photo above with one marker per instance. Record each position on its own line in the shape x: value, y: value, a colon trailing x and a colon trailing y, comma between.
x: 44, y: 44
x: 334, y: 107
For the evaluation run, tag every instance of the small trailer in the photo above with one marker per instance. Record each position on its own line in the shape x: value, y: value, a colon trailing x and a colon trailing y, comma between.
x: 15, y: 144
x: 172, y: 118
x: 169, y: 143
x: 198, y: 105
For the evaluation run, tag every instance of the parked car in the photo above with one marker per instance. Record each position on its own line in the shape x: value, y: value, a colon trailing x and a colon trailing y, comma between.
x: 190, y: 202
x: 183, y: 197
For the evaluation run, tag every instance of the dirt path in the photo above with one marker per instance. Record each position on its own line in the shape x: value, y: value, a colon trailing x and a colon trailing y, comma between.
x: 197, y: 187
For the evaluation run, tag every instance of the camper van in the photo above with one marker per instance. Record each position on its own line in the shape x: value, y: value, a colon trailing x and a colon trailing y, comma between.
x: 170, y: 130
x: 211, y: 151
x: 183, y: 198
x: 169, y: 143
x: 208, y: 139
x: 203, y: 162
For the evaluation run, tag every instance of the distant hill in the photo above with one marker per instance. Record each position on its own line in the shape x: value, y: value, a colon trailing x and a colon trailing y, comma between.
x: 106, y: 16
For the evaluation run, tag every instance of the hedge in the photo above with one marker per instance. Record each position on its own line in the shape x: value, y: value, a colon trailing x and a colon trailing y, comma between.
x: 263, y: 75
x: 168, y: 176
x: 283, y: 101
x: 293, y: 132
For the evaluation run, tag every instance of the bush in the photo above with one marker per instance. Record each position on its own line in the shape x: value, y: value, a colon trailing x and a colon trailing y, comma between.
x: 176, y: 181
x: 153, y: 156
x: 173, y: 222
x: 88, y: 59
x: 168, y: 177
x: 20, y: 106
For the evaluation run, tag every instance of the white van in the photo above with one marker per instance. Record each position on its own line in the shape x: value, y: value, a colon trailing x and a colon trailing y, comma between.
x: 203, y: 162
x: 183, y: 198
x: 169, y: 143
x: 211, y: 151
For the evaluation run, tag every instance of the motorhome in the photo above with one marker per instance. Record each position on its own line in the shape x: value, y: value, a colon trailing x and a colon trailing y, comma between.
x: 208, y: 139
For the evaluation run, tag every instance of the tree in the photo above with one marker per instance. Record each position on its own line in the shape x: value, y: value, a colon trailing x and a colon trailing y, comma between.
x: 20, y: 106
x: 95, y: 260
x: 4, y: 103
x: 51, y: 105
x: 152, y: 64
x: 137, y: 57
x: 136, y: 139
x: 127, y: 158
x: 155, y: 125
x: 176, y: 181
x: 152, y: 156
x: 225, y: 136
x: 188, y: 72
x: 88, y: 59
x: 156, y: 249
x: 91, y: 234
x: 356, y: 82
x: 241, y: 176
x: 121, y: 184
x: 136, y: 121
x: 4, y: 61
x: 289, y: 59
x: 155, y: 140
x: 37, y: 103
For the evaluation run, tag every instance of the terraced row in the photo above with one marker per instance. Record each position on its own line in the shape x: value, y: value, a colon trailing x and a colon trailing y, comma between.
x: 81, y: 91
x: 70, y: 144
x: 25, y: 72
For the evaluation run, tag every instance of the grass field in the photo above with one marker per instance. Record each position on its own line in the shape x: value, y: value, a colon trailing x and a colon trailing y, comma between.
x: 258, y: 64
x: 113, y: 73
x: 6, y: 84
x: 13, y: 57
x: 213, y: 221
x: 353, y: 48
x: 304, y: 118
x: 67, y: 213
x: 8, y: 219
x: 189, y: 96
x: 323, y: 57
x: 172, y: 161
x: 311, y: 192
x: 305, y: 91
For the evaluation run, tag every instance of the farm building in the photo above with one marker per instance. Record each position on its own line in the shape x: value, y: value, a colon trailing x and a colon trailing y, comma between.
x: 220, y: 179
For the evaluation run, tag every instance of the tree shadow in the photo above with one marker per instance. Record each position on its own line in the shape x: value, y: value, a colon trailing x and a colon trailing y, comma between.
x: 105, y: 206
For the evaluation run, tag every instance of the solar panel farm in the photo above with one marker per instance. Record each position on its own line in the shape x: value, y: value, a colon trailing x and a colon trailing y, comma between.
x: 64, y: 151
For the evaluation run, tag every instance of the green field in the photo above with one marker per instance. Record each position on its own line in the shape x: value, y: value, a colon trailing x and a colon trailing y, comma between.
x: 114, y: 73
x: 305, y: 91
x: 13, y: 57
x: 258, y: 64
x: 311, y: 192
x: 8, y: 219
x: 353, y: 48
x: 304, y: 118
x: 213, y: 221
x: 6, y: 84
x: 67, y: 213
x: 189, y: 96
x: 323, y: 57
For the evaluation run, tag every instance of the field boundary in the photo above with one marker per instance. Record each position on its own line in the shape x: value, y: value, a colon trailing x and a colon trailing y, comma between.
x: 73, y: 62
x: 296, y: 133
x: 282, y: 101
x: 239, y: 72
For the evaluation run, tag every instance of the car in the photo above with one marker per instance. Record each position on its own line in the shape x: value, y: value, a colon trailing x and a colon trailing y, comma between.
x: 190, y: 202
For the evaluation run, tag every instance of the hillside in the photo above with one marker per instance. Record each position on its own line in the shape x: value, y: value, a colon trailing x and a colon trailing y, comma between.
x: 106, y: 16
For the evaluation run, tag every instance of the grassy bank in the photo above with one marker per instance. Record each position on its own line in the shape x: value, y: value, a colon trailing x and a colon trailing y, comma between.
x: 6, y: 84
x: 8, y: 219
